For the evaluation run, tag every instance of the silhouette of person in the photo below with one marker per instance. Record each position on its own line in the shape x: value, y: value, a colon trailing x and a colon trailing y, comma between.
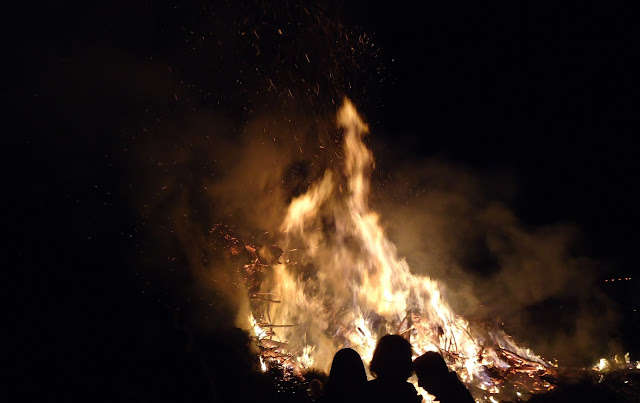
x: 315, y: 389
x: 391, y: 364
x: 434, y: 377
x: 347, y: 378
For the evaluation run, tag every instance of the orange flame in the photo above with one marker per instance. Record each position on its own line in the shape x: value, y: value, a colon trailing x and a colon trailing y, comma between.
x: 341, y: 283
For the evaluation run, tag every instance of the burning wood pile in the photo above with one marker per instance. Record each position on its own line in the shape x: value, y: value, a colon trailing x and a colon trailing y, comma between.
x: 505, y: 373
x: 334, y: 280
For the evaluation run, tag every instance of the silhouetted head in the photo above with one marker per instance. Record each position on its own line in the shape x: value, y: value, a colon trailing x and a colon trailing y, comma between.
x: 431, y: 370
x: 315, y: 388
x: 392, y: 358
x: 347, y: 372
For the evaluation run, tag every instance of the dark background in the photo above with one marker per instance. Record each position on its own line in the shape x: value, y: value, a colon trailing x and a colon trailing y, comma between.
x: 546, y: 90
x: 547, y: 93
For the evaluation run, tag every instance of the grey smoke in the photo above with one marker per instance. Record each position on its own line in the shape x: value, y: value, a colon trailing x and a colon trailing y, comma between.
x: 456, y: 226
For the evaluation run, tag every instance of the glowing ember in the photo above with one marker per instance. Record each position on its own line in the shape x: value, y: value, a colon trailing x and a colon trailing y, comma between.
x: 615, y: 363
x: 338, y: 282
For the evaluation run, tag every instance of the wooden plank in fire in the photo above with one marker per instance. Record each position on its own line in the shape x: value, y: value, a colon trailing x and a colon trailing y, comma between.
x: 522, y: 363
x: 262, y: 296
x: 273, y: 344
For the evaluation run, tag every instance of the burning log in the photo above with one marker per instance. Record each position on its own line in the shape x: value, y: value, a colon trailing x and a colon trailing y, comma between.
x: 523, y: 364
x: 259, y: 296
x: 273, y: 344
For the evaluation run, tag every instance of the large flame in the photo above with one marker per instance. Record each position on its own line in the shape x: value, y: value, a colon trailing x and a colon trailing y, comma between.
x: 340, y: 283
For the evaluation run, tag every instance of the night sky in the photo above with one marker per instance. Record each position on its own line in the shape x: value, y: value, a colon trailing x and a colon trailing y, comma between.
x: 543, y: 95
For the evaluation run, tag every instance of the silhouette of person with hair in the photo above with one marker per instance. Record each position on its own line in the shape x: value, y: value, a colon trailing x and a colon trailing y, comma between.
x: 434, y: 377
x: 347, y: 378
x: 315, y: 389
x: 391, y: 364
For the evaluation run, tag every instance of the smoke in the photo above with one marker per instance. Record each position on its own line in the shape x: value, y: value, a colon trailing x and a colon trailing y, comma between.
x: 222, y: 124
x: 452, y: 224
x: 457, y: 226
x: 257, y: 129
x: 207, y: 178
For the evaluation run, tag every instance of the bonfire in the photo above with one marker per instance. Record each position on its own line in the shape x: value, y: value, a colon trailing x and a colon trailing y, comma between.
x: 335, y: 280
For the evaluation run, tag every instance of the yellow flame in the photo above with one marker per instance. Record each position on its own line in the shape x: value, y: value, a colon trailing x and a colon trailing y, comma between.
x: 601, y: 365
x: 359, y: 288
x: 305, y: 359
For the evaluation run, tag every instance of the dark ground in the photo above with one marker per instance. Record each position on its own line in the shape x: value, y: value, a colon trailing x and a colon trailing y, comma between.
x: 85, y: 323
